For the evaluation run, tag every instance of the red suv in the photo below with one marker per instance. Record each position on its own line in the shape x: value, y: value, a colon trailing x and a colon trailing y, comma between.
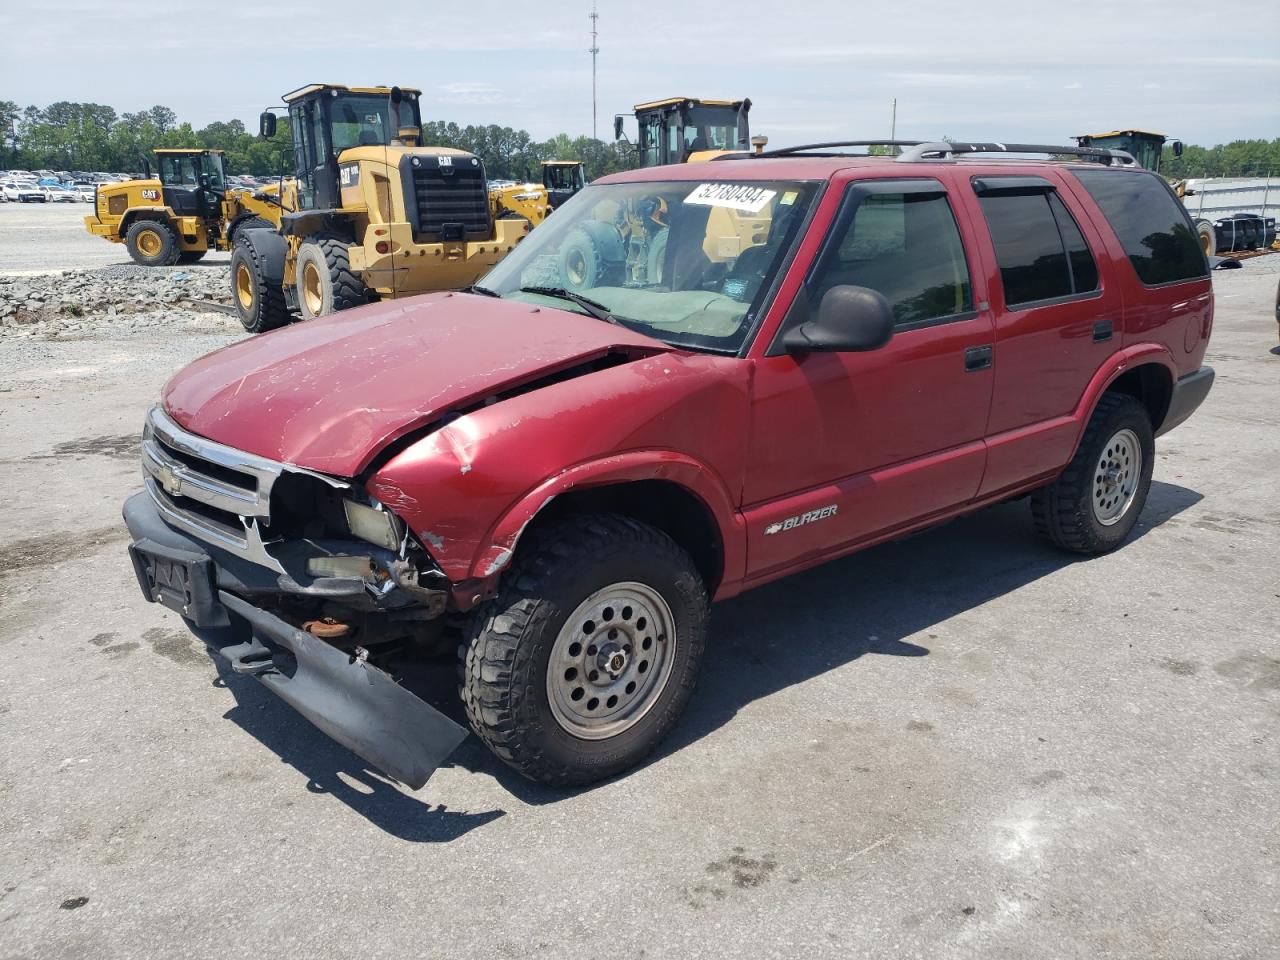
x: 689, y: 381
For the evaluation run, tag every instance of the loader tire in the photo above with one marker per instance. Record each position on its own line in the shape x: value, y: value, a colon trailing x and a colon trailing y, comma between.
x: 1208, y: 239
x: 259, y: 302
x: 191, y: 256
x: 246, y: 223
x: 592, y: 256
x: 326, y: 282
x: 152, y: 243
x: 589, y: 653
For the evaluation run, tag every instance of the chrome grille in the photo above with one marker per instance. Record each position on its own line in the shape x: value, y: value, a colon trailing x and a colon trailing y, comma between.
x: 213, y: 492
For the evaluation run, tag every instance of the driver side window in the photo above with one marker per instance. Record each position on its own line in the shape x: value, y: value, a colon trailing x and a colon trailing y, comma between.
x: 906, y: 246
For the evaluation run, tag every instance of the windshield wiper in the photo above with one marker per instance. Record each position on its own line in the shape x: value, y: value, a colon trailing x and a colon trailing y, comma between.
x: 483, y: 291
x: 592, y: 307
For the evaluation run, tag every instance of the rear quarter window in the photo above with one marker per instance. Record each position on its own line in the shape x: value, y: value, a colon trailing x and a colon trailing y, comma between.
x: 1150, y: 223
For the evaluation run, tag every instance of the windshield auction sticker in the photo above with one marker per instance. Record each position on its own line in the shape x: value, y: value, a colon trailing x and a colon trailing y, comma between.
x: 735, y: 196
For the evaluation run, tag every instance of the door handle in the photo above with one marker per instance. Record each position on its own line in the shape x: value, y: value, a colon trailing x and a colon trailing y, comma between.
x: 1102, y: 331
x: 978, y: 358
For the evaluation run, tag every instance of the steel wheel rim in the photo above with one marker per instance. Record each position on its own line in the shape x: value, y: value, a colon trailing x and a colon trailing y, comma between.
x: 623, y: 634
x: 149, y: 243
x: 244, y: 286
x: 311, y: 291
x: 1115, y: 477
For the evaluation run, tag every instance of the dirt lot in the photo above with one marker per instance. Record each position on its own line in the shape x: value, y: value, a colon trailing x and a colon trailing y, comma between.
x: 963, y: 744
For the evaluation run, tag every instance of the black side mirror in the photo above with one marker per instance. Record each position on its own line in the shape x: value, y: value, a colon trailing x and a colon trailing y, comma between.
x: 849, y: 319
x: 1177, y: 148
x: 617, y: 127
x: 267, y: 125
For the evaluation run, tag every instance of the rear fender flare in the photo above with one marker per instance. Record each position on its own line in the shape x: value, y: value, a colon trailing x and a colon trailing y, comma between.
x: 503, y: 538
x: 1119, y: 363
x: 134, y: 214
x: 269, y: 249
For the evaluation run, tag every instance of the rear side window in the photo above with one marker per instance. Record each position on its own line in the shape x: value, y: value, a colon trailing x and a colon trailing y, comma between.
x: 1150, y: 223
x: 1041, y: 253
x: 904, y: 245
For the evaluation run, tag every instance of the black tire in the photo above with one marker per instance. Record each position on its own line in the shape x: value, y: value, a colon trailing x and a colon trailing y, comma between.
x: 143, y: 234
x: 191, y: 256
x: 259, y: 302
x: 1064, y: 510
x: 510, y: 641
x: 591, y: 256
x: 246, y: 223
x: 339, y: 287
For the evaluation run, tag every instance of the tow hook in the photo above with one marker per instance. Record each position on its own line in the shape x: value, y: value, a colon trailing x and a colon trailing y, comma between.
x: 327, y: 628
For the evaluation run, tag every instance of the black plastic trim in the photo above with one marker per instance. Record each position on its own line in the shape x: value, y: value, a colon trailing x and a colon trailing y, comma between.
x: 1187, y: 395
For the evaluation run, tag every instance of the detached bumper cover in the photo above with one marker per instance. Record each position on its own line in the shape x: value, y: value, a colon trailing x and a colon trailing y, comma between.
x: 355, y: 703
x: 1188, y: 393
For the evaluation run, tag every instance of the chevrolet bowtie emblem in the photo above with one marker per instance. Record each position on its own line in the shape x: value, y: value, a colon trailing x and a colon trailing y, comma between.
x: 168, y: 479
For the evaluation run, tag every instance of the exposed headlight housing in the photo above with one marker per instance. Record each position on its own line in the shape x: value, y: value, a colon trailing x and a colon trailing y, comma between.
x: 377, y: 526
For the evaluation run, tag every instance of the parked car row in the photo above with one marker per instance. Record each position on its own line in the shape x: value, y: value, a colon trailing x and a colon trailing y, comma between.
x: 26, y: 191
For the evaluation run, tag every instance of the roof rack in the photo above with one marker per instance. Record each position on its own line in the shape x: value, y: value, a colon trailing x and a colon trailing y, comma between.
x: 922, y: 150
x: 942, y: 150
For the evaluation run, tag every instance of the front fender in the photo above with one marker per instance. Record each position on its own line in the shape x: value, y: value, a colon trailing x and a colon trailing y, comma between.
x: 500, y: 542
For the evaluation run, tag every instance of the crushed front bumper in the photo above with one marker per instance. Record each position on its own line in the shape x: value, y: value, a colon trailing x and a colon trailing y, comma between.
x: 357, y: 704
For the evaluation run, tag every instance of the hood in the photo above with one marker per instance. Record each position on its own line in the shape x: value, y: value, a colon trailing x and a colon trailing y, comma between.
x: 329, y: 394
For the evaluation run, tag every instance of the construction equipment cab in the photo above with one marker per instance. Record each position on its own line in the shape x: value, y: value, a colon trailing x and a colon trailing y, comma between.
x: 562, y: 179
x: 179, y: 216
x: 683, y: 129
x: 370, y: 213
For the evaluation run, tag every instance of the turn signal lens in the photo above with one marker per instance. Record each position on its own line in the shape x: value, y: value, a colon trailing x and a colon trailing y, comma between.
x: 357, y: 567
x: 382, y: 246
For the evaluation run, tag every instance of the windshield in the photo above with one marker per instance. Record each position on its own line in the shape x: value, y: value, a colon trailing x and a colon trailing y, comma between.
x: 687, y: 262
x: 360, y: 120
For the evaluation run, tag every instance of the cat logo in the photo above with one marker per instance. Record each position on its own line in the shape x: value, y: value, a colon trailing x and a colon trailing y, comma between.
x: 150, y: 195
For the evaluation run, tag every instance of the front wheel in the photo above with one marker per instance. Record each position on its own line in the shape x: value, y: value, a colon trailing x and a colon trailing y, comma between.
x: 590, y: 652
x: 326, y: 282
x: 1094, y: 504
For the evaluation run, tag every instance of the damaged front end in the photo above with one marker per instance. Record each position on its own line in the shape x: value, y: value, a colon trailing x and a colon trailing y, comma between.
x: 298, y: 579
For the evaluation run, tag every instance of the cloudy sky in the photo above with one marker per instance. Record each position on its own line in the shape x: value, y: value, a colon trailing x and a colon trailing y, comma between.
x: 815, y: 69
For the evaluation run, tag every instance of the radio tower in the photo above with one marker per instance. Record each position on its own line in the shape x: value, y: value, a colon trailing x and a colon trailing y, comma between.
x: 595, y: 18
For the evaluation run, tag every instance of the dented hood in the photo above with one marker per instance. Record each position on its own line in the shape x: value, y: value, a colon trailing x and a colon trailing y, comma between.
x: 328, y: 394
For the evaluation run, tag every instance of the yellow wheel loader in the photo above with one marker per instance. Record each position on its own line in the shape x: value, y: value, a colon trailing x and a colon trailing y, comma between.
x: 689, y: 129
x: 369, y: 214
x: 180, y: 215
x: 562, y: 179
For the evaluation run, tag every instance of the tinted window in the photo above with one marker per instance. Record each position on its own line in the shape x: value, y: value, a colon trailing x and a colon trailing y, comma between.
x: 907, y: 247
x: 1151, y: 225
x: 1039, y: 247
x: 1084, y: 272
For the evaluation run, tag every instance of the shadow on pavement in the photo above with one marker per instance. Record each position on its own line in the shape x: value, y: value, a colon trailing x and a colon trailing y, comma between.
x: 761, y: 642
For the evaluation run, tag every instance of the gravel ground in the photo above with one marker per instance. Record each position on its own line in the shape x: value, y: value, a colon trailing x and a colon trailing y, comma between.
x: 964, y: 744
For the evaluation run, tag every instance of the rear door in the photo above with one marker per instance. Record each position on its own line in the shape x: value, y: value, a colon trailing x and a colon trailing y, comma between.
x: 1058, y: 313
x: 845, y: 447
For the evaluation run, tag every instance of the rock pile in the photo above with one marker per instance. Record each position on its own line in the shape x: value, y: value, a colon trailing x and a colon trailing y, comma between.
x: 114, y: 290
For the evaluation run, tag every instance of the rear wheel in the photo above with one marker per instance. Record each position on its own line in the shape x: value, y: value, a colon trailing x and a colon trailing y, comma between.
x: 152, y: 243
x: 326, y: 282
x: 588, y: 655
x: 1093, y: 505
x: 259, y: 302
x: 591, y: 256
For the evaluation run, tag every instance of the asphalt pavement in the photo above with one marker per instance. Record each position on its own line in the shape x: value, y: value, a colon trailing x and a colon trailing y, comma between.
x: 962, y: 744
